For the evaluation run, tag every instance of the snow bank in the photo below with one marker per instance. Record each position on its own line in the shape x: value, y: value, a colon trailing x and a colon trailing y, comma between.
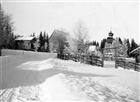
x: 54, y: 89
x: 37, y: 65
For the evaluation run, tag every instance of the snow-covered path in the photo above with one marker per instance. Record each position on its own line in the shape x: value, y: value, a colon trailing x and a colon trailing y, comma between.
x: 57, y: 80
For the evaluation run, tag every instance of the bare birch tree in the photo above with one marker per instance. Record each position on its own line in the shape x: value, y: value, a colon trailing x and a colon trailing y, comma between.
x: 81, y: 34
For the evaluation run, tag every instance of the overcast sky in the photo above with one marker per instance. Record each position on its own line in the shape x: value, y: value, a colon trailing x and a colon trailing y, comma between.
x: 122, y: 17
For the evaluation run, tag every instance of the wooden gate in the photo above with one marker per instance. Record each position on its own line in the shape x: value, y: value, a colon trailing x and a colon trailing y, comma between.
x: 115, y: 55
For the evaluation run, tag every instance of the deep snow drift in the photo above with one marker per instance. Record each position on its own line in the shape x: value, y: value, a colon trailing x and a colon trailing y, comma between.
x: 26, y: 79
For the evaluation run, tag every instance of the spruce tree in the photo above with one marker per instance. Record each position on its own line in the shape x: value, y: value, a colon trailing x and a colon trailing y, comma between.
x: 44, y: 37
x: 102, y: 45
x: 97, y: 44
x: 120, y: 40
x: 41, y: 41
x: 129, y: 47
x: 45, y: 41
x: 48, y: 44
x: 33, y: 34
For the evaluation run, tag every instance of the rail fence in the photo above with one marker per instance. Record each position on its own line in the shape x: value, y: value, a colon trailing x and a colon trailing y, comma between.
x: 97, y: 61
x: 87, y: 59
x: 128, y: 64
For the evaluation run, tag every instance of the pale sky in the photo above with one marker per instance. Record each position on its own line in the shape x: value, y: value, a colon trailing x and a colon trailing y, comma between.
x: 122, y: 17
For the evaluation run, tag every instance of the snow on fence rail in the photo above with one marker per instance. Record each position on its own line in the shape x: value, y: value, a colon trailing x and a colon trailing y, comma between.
x: 128, y: 64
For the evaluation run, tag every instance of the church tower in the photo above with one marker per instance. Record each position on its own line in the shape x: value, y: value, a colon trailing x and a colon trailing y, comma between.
x: 110, y: 37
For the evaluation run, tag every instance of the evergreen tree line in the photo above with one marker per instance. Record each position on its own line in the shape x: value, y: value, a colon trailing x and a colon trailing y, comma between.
x: 44, y: 45
x: 43, y: 42
x: 95, y: 43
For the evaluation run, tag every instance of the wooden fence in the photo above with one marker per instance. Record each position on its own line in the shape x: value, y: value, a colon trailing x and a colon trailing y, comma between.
x: 97, y: 61
x: 128, y: 65
x: 87, y: 59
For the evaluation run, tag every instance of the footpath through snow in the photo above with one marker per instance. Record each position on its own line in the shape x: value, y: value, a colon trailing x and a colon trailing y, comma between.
x: 57, y: 80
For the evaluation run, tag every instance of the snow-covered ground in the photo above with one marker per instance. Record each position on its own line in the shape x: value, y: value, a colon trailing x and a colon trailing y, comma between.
x: 28, y: 79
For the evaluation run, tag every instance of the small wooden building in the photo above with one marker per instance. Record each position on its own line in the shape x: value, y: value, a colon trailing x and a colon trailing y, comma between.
x: 26, y: 43
x: 94, y: 50
x: 55, y: 38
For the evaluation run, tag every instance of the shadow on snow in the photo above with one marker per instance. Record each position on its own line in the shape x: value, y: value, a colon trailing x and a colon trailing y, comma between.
x: 18, y: 78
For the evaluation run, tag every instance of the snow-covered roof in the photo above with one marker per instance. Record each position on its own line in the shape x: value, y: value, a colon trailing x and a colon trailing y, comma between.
x: 137, y: 50
x: 28, y: 38
x: 92, y: 48
x: 19, y: 38
x: 24, y: 38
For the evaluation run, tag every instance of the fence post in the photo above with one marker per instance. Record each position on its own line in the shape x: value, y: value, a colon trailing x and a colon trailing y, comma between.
x: 64, y: 57
x: 96, y: 61
x: 116, y: 58
x: 90, y: 59
x: 124, y: 64
x: 81, y: 58
x: 103, y: 58
x: 135, y: 67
